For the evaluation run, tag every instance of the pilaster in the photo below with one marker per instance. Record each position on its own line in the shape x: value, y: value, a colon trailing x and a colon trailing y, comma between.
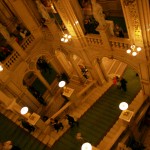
x: 42, y: 79
x: 76, y: 69
x: 66, y: 12
x: 144, y: 76
x: 26, y: 16
x: 132, y: 18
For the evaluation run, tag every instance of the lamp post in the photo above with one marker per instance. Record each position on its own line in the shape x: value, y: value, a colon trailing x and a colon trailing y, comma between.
x: 123, y: 106
x: 86, y: 146
x: 61, y: 84
x: 24, y: 110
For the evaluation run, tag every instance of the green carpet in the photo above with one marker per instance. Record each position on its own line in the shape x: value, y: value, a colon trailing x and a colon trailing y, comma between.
x: 20, y: 137
x: 95, y: 123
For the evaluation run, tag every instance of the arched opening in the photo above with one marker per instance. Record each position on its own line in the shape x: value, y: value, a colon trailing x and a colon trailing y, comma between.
x: 47, y: 71
x: 35, y: 87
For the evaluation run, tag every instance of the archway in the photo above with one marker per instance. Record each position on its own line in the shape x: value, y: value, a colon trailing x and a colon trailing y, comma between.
x: 47, y: 71
x: 35, y: 86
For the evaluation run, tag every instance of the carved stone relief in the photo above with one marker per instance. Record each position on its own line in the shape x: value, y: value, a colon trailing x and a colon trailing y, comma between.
x: 128, y: 2
x: 134, y: 19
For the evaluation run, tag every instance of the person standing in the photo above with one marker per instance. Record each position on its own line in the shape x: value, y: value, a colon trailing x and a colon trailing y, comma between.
x: 71, y: 121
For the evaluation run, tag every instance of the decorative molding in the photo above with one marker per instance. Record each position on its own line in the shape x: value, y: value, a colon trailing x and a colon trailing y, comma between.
x: 128, y: 2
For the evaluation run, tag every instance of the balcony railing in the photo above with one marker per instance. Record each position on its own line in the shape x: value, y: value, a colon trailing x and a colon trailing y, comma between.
x: 12, y: 60
x: 119, y: 43
x: 27, y: 42
x: 94, y: 40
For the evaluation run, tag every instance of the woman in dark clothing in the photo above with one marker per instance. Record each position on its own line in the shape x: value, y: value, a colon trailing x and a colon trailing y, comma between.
x: 123, y: 84
x: 71, y: 121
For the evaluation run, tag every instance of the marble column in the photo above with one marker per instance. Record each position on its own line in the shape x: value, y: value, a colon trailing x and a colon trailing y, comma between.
x: 77, y: 69
x: 144, y: 77
x: 29, y: 20
x: 42, y: 79
x: 9, y: 103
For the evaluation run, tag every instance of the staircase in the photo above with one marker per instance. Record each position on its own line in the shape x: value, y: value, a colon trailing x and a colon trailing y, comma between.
x: 100, y: 117
x: 97, y: 114
x: 10, y: 129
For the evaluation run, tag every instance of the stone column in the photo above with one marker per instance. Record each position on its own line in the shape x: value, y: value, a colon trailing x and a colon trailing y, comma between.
x: 9, y: 103
x: 98, y: 70
x: 55, y: 64
x: 42, y: 79
x: 101, y: 67
x: 5, y: 14
x: 28, y: 19
x: 65, y: 10
x: 53, y: 29
x: 77, y: 69
x: 144, y: 76
x: 17, y: 47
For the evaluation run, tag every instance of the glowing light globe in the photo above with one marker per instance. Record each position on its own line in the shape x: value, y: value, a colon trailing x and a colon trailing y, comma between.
x: 24, y: 110
x: 61, y: 83
x: 123, y: 106
x: 86, y: 146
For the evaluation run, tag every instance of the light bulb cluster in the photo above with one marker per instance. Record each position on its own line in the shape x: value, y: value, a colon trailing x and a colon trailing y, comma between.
x: 65, y: 38
x: 134, y: 50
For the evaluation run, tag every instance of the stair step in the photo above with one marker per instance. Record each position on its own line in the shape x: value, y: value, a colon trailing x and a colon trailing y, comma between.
x: 46, y: 139
x: 36, y: 133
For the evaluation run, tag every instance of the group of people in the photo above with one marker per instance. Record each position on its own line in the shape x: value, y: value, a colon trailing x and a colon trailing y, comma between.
x: 59, y: 126
x: 90, y: 26
x: 84, y: 71
x: 120, y: 82
x: 27, y: 126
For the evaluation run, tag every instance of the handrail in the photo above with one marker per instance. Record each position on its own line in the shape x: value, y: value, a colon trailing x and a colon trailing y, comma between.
x: 58, y: 113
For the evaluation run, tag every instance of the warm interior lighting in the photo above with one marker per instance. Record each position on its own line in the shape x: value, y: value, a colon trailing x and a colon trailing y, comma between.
x: 66, y: 38
x: 24, y: 110
x: 123, y: 106
x: 134, y: 50
x: 86, y: 146
x: 1, y: 68
x: 61, y: 84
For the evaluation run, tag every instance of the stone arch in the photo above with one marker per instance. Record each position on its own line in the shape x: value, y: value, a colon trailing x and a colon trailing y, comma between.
x: 46, y: 69
x: 31, y: 82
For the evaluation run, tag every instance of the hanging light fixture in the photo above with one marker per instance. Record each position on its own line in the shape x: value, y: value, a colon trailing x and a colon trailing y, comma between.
x: 66, y: 38
x: 134, y: 50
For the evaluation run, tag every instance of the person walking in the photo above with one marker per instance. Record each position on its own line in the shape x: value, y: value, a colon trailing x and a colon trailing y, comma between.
x: 71, y: 121
x: 123, y: 83
x: 56, y: 124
